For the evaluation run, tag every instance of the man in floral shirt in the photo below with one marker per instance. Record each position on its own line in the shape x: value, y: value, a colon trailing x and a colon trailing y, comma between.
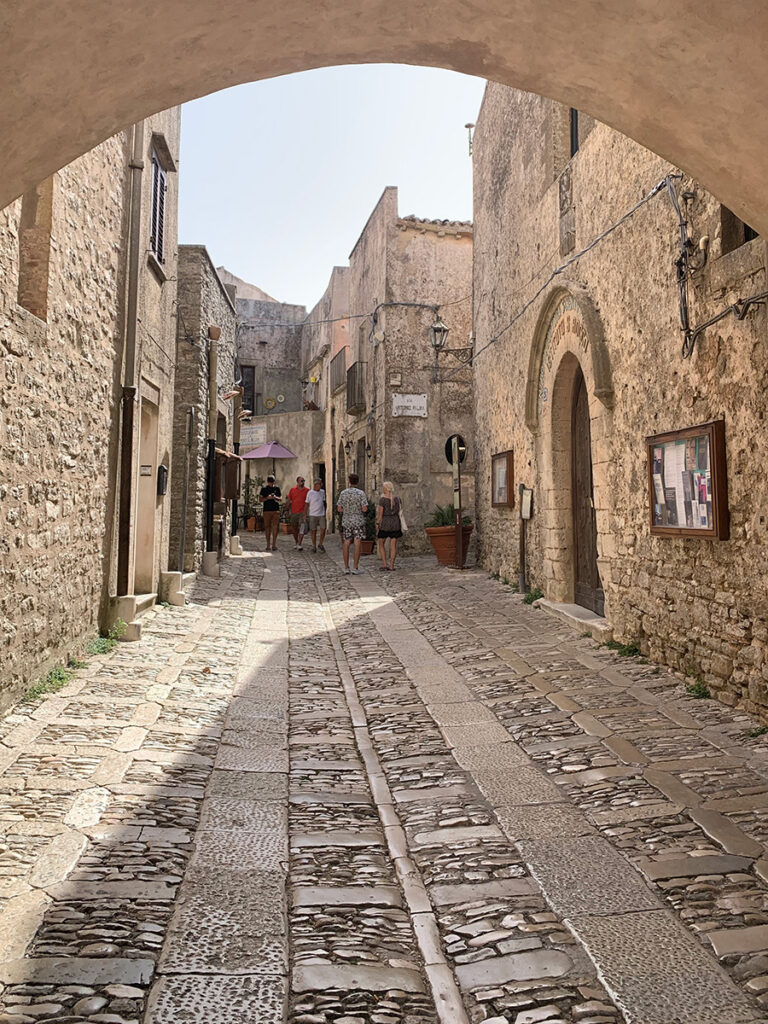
x: 353, y: 505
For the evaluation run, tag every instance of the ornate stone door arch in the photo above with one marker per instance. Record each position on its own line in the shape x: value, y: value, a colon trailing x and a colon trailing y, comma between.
x: 569, y: 383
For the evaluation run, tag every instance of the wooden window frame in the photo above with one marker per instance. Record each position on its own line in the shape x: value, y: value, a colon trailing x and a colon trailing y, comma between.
x: 715, y: 431
x: 157, y: 211
x: 510, y: 466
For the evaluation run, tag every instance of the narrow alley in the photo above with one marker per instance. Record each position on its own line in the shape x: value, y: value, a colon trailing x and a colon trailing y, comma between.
x: 311, y: 797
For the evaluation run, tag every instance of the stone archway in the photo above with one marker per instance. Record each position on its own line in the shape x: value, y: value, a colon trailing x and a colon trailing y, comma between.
x: 569, y: 352
x: 689, y: 87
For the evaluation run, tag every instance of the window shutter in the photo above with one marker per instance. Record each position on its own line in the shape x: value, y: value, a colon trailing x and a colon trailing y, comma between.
x: 161, y: 190
x: 157, y: 219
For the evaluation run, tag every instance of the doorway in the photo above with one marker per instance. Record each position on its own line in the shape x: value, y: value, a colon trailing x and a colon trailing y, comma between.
x: 360, y: 463
x: 587, y: 587
x: 146, y: 500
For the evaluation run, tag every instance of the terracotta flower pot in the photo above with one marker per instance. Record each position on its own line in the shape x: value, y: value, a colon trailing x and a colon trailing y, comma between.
x: 251, y: 524
x: 443, y: 540
x: 366, y: 547
x: 285, y: 528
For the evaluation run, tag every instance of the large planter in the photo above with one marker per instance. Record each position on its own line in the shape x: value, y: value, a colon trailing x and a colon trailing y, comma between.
x: 250, y: 524
x: 443, y: 540
x: 366, y: 547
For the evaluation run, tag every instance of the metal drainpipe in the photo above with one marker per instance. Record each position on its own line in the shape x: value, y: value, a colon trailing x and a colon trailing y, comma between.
x: 185, y: 490
x: 236, y: 449
x: 130, y: 390
x: 213, y: 359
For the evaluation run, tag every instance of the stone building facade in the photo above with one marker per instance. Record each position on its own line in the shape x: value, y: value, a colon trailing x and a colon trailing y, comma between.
x: 324, y: 354
x: 139, y: 567
x: 390, y: 404
x: 203, y: 303
x: 575, y: 384
x: 269, y: 354
x: 66, y: 289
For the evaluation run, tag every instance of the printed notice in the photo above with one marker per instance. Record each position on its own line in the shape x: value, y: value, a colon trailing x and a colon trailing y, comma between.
x: 409, y: 405
x: 681, y: 483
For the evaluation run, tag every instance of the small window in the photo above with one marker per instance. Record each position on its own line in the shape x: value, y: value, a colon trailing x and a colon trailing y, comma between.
x: 249, y: 397
x: 157, y: 225
x: 734, y: 232
x: 574, y: 130
x: 35, y: 229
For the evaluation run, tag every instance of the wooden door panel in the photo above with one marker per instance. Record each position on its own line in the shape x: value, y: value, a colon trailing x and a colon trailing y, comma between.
x: 587, y: 588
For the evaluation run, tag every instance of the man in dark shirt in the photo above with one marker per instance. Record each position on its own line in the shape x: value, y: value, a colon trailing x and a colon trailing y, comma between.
x: 270, y: 495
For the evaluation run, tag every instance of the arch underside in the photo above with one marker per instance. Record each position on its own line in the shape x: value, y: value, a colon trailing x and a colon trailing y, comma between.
x: 688, y: 83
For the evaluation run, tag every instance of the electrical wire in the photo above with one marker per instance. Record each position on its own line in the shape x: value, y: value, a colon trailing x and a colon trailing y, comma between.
x: 354, y: 316
x: 657, y: 188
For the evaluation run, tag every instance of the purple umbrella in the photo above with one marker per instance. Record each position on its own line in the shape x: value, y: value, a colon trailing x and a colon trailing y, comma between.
x: 271, y: 450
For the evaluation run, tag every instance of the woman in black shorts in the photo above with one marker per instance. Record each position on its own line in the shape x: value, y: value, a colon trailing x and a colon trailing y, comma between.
x: 388, y: 522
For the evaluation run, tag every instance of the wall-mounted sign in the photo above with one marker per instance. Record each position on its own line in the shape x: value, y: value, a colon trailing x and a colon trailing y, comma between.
x: 687, y: 490
x: 526, y: 503
x: 145, y: 471
x: 409, y: 405
x: 252, y: 435
x: 502, y: 480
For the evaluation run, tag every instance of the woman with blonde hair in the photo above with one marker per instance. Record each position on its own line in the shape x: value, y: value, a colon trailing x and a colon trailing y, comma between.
x: 388, y: 523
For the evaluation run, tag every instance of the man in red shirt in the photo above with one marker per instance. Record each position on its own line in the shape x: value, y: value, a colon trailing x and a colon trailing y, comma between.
x: 297, y: 496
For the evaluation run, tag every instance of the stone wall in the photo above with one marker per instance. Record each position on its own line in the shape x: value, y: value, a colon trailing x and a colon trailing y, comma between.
x: 56, y: 407
x: 321, y: 342
x: 156, y: 343
x: 299, y: 432
x: 428, y: 262
x: 397, y: 260
x: 269, y: 339
x: 699, y: 605
x: 202, y: 302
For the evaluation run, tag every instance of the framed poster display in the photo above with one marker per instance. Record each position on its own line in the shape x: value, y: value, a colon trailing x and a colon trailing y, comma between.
x: 687, y: 482
x: 502, y: 480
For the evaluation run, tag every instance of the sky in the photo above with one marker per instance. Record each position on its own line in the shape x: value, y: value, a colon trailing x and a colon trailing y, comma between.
x: 277, y: 178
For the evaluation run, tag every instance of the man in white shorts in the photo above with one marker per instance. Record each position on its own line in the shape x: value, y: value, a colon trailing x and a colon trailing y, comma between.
x: 315, y: 512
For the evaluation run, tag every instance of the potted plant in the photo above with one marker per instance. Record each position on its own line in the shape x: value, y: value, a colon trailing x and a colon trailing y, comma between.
x: 370, y: 530
x: 285, y: 518
x: 250, y: 491
x: 441, y: 531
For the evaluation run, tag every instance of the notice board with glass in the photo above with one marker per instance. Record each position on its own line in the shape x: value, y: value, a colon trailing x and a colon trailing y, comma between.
x: 687, y: 482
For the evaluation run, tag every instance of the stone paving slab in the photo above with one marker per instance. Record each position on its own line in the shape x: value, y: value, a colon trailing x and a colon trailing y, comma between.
x: 374, y: 979
x: 217, y: 1000
x: 659, y: 974
x: 69, y: 970
x: 585, y: 875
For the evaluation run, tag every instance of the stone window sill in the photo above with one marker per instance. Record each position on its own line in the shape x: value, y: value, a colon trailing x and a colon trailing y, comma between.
x: 156, y: 267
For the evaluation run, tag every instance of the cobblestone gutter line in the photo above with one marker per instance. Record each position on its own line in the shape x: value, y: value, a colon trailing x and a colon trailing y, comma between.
x: 445, y: 991
x: 353, y: 952
x: 513, y: 958
x: 565, y: 706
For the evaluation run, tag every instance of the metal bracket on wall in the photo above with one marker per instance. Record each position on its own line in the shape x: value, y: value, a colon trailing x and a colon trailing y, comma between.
x: 739, y: 308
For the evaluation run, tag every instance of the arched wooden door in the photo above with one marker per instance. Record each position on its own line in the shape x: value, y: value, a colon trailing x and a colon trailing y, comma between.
x: 587, y: 588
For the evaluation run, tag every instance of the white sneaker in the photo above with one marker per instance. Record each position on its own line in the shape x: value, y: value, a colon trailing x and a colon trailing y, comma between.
x: 358, y: 572
x: 348, y: 571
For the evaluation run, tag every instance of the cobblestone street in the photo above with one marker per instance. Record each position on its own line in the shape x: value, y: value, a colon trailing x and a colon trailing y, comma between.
x: 402, y: 798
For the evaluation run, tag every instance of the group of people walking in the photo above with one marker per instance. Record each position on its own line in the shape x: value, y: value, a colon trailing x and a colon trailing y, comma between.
x: 307, y: 510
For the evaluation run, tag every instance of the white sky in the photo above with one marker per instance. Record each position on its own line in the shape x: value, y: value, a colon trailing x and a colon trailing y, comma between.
x: 278, y: 178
